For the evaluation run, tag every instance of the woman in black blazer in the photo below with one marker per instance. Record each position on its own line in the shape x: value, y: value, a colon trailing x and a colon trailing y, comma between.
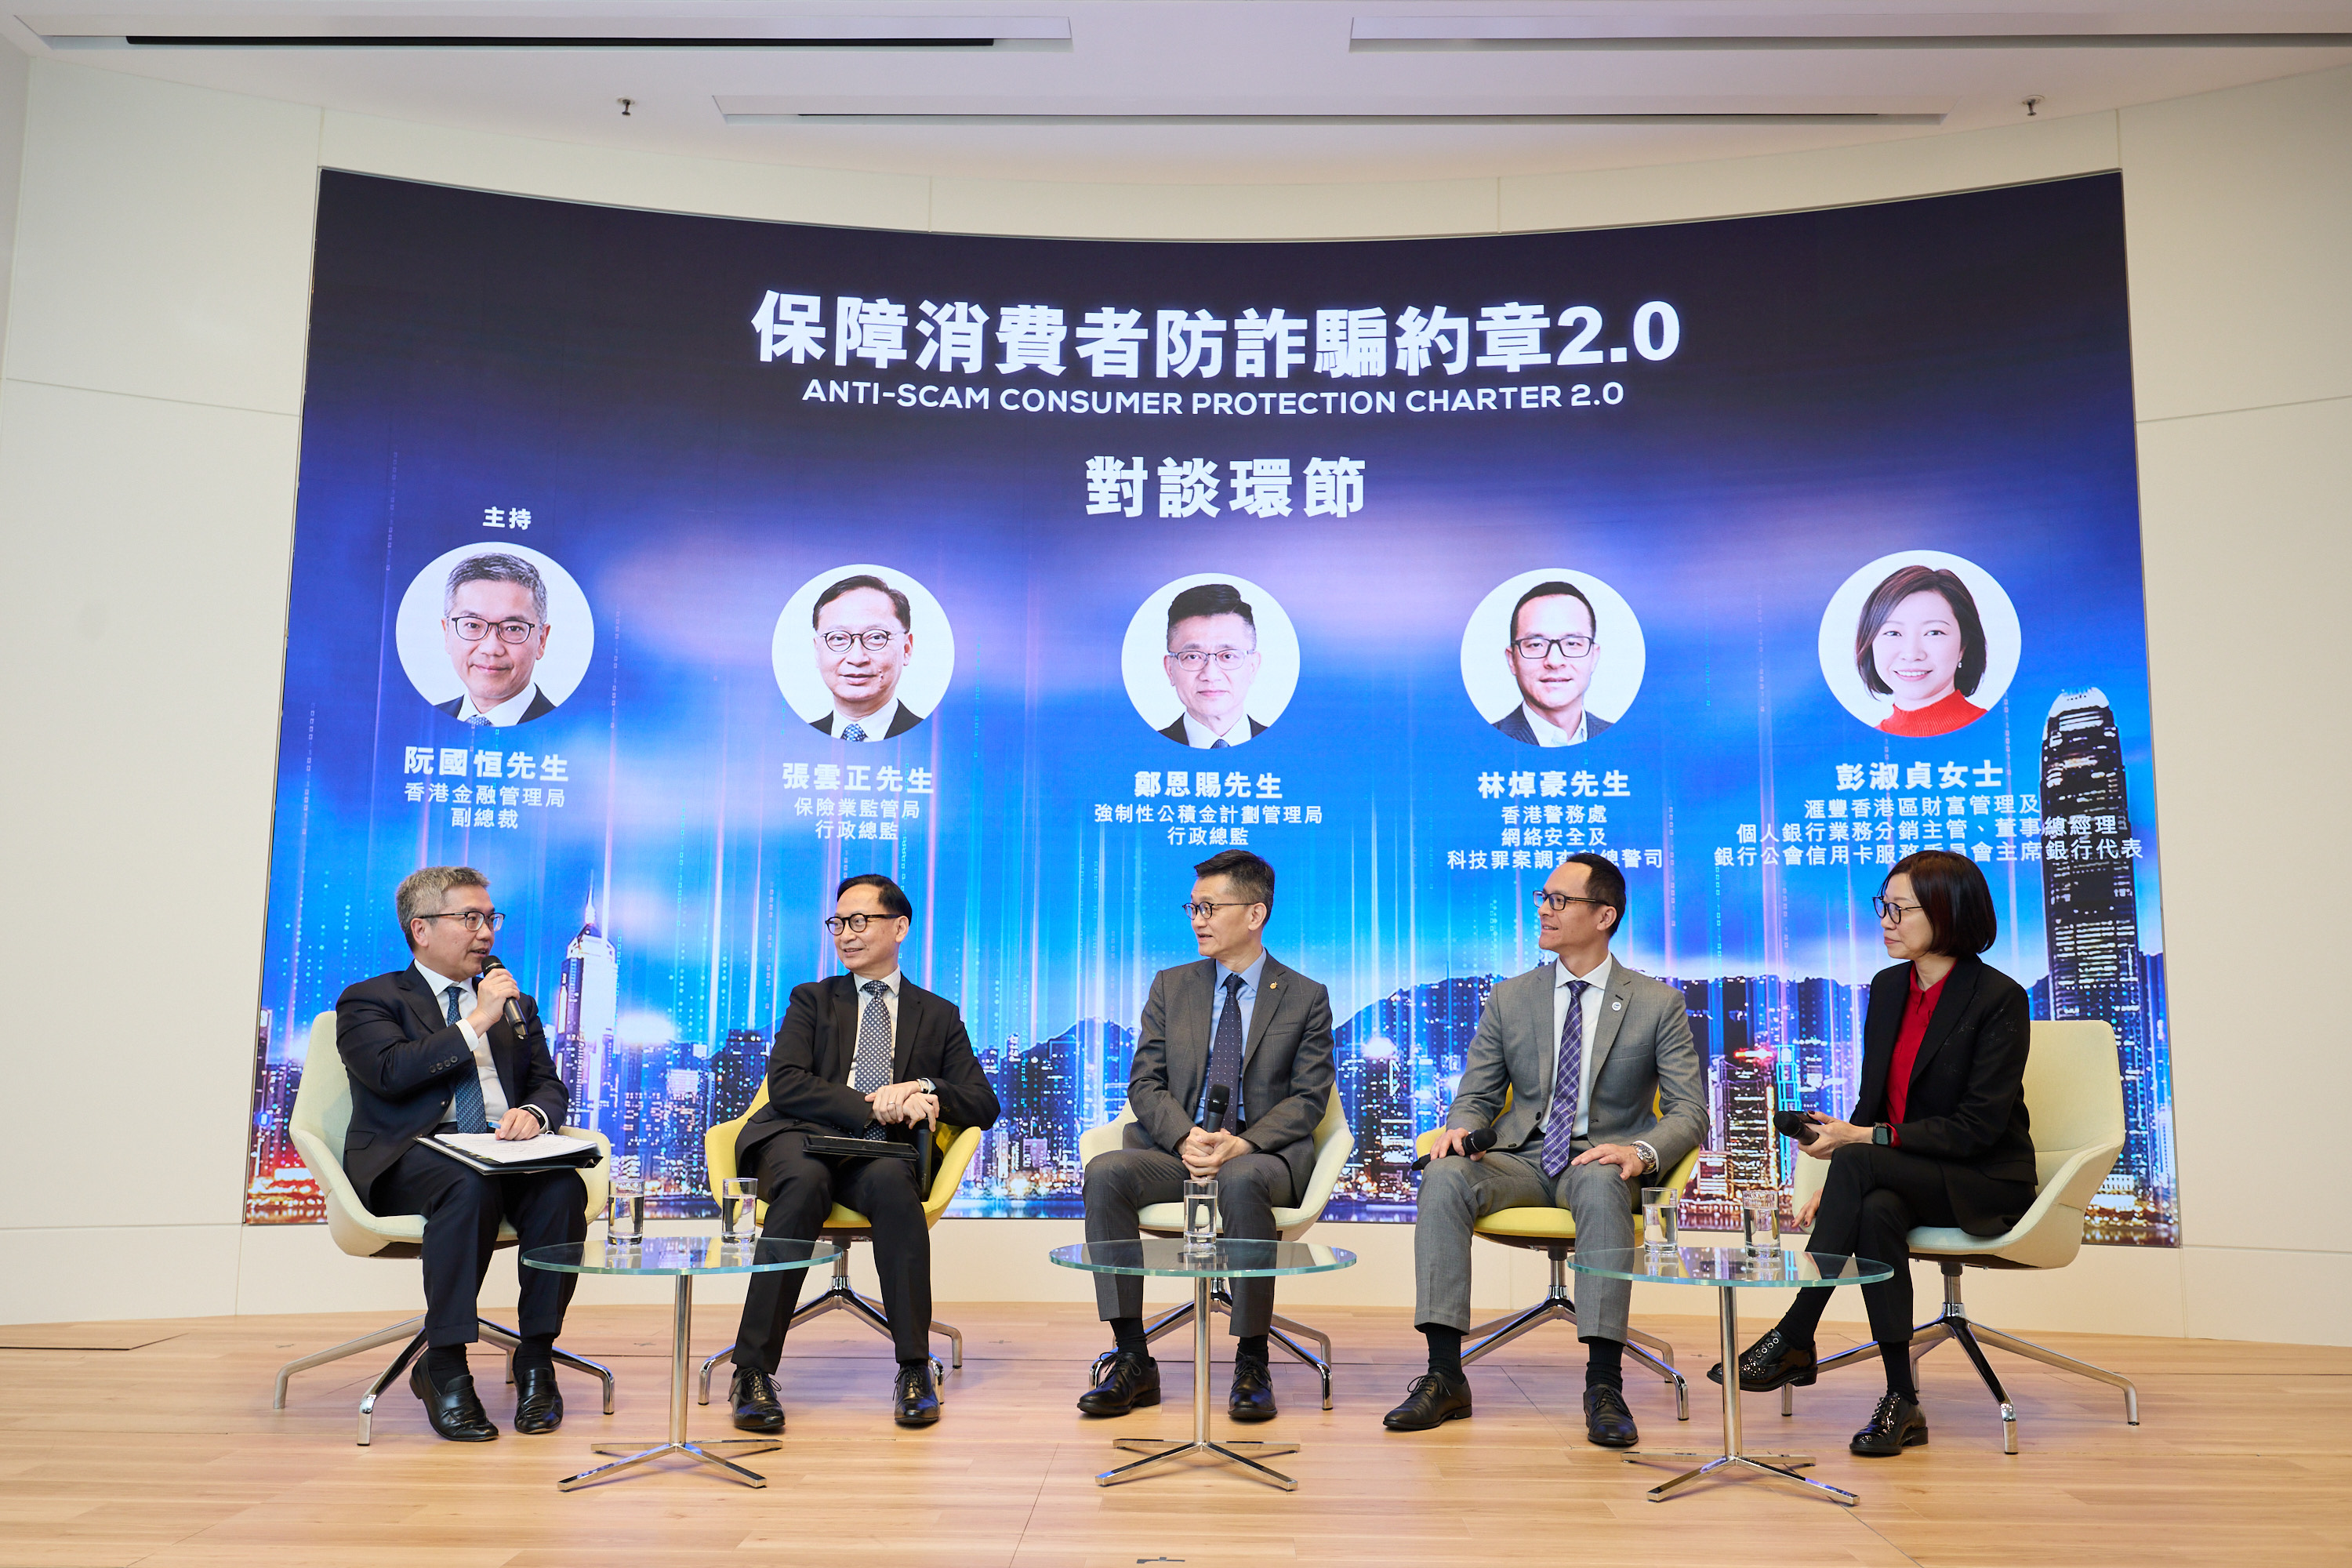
x: 1938, y: 1135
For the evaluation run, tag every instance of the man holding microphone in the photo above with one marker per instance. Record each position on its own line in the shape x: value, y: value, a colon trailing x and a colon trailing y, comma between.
x: 430, y: 1049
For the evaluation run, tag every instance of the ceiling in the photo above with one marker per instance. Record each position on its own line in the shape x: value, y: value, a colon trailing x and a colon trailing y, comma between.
x: 1212, y: 91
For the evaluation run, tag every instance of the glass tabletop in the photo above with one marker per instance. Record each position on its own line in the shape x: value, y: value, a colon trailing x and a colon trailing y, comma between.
x: 1221, y: 1259
x: 1769, y: 1270
x: 682, y: 1255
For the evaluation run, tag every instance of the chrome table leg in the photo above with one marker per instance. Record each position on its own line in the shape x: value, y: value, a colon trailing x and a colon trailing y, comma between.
x: 633, y: 1454
x: 1159, y: 1450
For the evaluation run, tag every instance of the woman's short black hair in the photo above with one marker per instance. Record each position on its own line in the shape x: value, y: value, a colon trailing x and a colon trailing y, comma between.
x: 1952, y: 892
x: 1904, y: 582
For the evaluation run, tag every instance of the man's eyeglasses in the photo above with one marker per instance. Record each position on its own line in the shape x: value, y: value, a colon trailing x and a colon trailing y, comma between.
x: 474, y: 628
x: 839, y: 642
x: 856, y: 922
x: 1555, y: 902
x: 1888, y: 910
x: 1532, y: 648
x: 472, y: 919
x: 1195, y: 659
x: 1205, y: 911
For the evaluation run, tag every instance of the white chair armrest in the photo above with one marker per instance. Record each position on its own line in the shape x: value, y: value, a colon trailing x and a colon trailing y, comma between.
x: 2048, y: 1235
x: 1102, y: 1139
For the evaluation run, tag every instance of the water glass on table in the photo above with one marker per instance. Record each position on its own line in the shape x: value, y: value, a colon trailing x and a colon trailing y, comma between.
x: 1200, y: 1214
x: 625, y: 1219
x: 1760, y: 1220
x: 1659, y: 1206
x: 739, y: 1209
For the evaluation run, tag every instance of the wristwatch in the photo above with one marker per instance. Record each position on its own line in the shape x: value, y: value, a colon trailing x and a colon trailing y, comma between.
x: 1883, y: 1135
x: 927, y: 1085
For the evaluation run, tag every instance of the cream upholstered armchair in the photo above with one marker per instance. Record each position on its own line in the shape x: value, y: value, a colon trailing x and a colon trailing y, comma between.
x: 322, y: 1113
x: 2073, y: 1097
x: 1333, y: 1143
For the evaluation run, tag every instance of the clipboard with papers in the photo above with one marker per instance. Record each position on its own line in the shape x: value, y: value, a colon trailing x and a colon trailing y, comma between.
x: 494, y: 1156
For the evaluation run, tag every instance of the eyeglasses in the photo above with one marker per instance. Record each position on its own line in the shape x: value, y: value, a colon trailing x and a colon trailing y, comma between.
x: 474, y: 628
x: 1555, y: 902
x: 856, y: 922
x: 1195, y: 659
x: 1541, y: 648
x: 876, y: 641
x: 472, y: 919
x: 1206, y: 911
x: 1888, y: 910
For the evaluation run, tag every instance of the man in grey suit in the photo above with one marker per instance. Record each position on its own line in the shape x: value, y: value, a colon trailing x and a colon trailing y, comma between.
x: 1263, y: 1032
x: 1585, y: 1046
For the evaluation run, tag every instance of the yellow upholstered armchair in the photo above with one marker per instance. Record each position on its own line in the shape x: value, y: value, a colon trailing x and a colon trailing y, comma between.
x: 951, y: 1155
x: 1551, y: 1230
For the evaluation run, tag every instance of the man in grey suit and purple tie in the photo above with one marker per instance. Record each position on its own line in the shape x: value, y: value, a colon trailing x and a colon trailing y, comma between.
x: 1240, y: 1021
x: 1585, y: 1046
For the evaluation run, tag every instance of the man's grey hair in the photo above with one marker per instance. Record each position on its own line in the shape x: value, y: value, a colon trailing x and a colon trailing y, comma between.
x: 495, y: 566
x: 424, y: 892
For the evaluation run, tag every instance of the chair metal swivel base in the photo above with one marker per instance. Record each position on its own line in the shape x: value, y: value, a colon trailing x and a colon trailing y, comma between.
x: 1280, y: 1330
x: 1954, y: 1323
x: 839, y: 1297
x: 1557, y: 1307
x: 412, y: 1331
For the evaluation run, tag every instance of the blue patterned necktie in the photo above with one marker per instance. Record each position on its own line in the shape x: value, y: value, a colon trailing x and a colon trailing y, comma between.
x: 853, y: 731
x: 1219, y: 744
x: 466, y: 1100
x: 1567, y: 1084
x: 871, y: 1067
x: 1225, y: 1055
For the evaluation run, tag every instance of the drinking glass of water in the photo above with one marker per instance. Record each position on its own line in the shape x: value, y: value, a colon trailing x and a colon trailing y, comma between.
x: 1199, y: 1216
x: 739, y: 1208
x: 1760, y: 1220
x: 1659, y: 1206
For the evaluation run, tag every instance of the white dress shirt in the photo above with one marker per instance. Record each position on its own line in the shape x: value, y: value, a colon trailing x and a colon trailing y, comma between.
x: 1201, y: 738
x: 505, y: 716
x: 874, y: 726
x: 494, y: 1093
x: 1547, y: 733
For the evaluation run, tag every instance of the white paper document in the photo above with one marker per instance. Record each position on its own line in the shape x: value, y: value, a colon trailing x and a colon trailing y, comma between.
x: 490, y: 1150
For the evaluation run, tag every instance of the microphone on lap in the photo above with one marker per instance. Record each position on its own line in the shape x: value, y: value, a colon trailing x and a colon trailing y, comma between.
x: 514, y: 1004
x: 1478, y: 1142
x: 1220, y: 1097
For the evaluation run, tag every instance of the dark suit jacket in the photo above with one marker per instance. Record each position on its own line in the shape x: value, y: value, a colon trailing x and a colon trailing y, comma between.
x: 1967, y: 1102
x: 539, y: 706
x: 1514, y: 725
x: 816, y: 1045
x: 405, y: 1063
x: 1175, y: 732
x: 904, y: 719
x: 1286, y: 1062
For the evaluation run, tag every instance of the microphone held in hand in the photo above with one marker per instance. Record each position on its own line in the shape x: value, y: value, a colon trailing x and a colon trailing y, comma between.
x: 1220, y: 1097
x: 514, y: 1004
x: 1477, y: 1142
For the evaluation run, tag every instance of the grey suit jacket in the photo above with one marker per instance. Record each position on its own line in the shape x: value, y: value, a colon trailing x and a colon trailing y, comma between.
x: 1286, y: 1062
x: 1641, y: 1048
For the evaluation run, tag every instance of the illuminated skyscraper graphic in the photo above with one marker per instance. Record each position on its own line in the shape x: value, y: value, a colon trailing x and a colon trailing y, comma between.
x: 587, y: 1012
x: 2091, y: 912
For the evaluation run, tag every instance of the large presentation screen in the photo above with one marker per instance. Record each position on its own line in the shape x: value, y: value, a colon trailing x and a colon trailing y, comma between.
x: 669, y: 569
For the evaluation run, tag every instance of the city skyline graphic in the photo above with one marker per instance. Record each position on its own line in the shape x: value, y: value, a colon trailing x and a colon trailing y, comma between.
x: 668, y: 840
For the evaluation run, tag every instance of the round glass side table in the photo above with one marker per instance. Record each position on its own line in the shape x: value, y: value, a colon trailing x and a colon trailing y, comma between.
x: 1171, y: 1257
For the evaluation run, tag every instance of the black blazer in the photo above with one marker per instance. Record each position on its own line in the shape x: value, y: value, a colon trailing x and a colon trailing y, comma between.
x: 1967, y: 1102
x: 405, y: 1063
x: 901, y: 721
x: 1175, y: 730
x: 1514, y: 725
x: 539, y: 706
x: 816, y: 1045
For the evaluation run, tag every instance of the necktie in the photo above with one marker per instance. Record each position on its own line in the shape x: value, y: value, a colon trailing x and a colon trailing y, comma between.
x: 1567, y: 1084
x: 1219, y: 744
x: 871, y: 1067
x: 478, y: 720
x: 466, y: 1100
x: 853, y: 731
x: 1225, y: 1055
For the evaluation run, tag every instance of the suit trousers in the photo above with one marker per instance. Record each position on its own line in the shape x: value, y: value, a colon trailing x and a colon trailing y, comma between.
x: 462, y: 1208
x: 1870, y: 1202
x: 1249, y: 1188
x: 1458, y: 1191
x: 799, y: 1189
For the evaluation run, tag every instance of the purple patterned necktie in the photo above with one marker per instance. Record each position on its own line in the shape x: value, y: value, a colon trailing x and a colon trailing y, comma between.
x: 1567, y: 1083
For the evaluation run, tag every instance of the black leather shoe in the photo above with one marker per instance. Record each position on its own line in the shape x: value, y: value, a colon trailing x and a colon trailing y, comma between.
x: 1771, y: 1362
x: 454, y: 1411
x: 1607, y: 1421
x: 539, y: 1403
x: 1128, y: 1382
x: 758, y: 1407
x: 1894, y: 1425
x: 1431, y: 1400
x: 1252, y: 1396
x: 915, y: 1401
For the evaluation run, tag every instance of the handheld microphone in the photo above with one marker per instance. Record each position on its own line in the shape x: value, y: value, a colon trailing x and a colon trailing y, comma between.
x: 1220, y: 1097
x: 1478, y: 1142
x: 514, y: 1004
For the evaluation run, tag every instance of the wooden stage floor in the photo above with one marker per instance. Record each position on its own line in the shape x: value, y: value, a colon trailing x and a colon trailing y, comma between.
x: 154, y: 1443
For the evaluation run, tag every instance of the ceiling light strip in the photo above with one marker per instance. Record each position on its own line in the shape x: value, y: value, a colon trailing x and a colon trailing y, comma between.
x: 1393, y: 42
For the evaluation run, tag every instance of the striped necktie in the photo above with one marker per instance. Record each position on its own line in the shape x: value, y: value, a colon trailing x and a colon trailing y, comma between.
x: 466, y: 1100
x: 1567, y: 1084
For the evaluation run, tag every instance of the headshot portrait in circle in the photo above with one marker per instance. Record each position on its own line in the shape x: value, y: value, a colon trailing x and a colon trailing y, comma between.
x: 1920, y: 644
x: 1552, y: 653
x: 863, y: 631
x: 495, y: 629
x: 1213, y: 660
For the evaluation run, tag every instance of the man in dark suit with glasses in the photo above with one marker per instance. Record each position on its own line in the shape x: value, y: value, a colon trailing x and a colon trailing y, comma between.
x: 1552, y: 653
x: 1262, y: 1031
